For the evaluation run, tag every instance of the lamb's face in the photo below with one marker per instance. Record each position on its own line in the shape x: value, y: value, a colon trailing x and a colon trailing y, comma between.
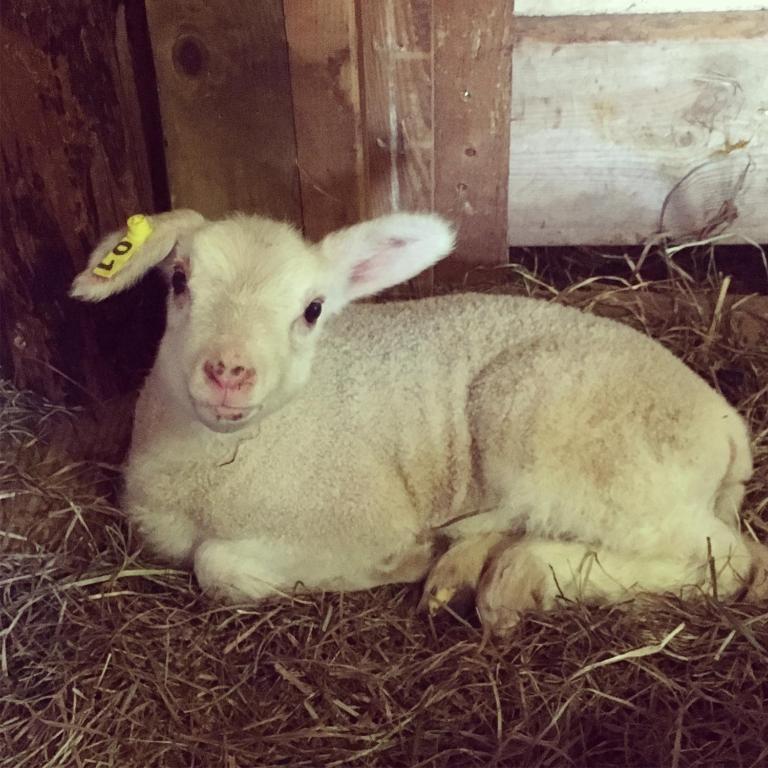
x: 248, y: 296
x: 245, y: 306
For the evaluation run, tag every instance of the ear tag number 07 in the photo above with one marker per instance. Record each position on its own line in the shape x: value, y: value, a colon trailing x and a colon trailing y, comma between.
x: 139, y: 228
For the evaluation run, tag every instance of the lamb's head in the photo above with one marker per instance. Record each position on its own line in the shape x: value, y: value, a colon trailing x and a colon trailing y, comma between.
x: 248, y: 296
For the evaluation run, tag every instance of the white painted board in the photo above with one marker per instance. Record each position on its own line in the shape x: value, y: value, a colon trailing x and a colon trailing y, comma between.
x: 589, y: 7
x: 604, y: 133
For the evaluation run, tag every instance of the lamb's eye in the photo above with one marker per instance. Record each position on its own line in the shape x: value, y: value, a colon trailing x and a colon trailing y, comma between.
x: 178, y: 282
x: 313, y: 310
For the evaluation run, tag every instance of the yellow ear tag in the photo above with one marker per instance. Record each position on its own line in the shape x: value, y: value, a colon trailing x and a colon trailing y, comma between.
x: 139, y: 229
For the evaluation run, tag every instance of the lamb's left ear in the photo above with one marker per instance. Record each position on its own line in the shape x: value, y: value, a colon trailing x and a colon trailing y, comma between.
x: 124, y: 257
x: 369, y: 257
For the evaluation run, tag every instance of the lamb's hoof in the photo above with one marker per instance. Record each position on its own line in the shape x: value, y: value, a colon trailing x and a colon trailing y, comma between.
x: 512, y: 583
x: 452, y: 582
x: 459, y: 600
x: 757, y: 590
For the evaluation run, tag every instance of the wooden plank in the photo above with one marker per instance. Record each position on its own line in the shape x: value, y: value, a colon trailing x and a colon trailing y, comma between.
x: 472, y: 64
x: 74, y: 166
x: 396, y: 40
x: 606, y: 137
x: 322, y: 45
x: 640, y: 28
x: 587, y: 7
x: 396, y: 48
x: 225, y: 95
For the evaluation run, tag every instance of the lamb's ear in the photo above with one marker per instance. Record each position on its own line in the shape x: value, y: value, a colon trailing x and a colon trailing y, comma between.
x: 369, y: 257
x: 121, y: 259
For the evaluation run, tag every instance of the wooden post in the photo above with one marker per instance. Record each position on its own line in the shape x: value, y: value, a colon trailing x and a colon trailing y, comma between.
x: 75, y: 165
x: 361, y: 76
x: 396, y: 42
x: 225, y: 99
x: 473, y: 72
x: 396, y: 46
x: 322, y: 45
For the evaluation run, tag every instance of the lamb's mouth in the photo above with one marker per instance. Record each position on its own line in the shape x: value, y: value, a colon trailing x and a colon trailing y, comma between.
x: 223, y: 418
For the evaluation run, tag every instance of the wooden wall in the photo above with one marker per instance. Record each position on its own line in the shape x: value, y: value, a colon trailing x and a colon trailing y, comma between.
x: 325, y: 88
x: 522, y: 125
x: 225, y: 102
x: 626, y: 125
x: 599, y: 122
x: 403, y: 105
x: 75, y: 134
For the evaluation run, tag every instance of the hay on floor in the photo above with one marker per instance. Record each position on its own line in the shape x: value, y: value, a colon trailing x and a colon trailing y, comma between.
x: 108, y: 658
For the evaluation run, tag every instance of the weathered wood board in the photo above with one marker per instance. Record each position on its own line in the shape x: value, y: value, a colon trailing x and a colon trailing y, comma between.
x: 396, y: 48
x: 471, y: 103
x: 322, y: 45
x: 607, y: 136
x: 398, y: 130
x: 635, y: 28
x: 427, y: 128
x: 74, y: 165
x: 586, y: 7
x: 225, y: 100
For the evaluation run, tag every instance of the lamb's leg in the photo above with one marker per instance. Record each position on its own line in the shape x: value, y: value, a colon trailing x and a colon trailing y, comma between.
x: 758, y: 587
x: 257, y: 568
x: 171, y: 533
x: 453, y: 579
x: 254, y: 569
x: 237, y: 570
x: 532, y: 573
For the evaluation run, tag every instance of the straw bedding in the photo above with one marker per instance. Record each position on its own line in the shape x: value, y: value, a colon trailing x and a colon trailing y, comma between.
x: 108, y: 658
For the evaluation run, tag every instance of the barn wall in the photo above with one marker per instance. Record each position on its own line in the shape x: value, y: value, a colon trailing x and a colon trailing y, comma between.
x: 592, y: 7
x: 611, y: 128
x: 403, y: 105
x: 225, y: 100
x: 322, y: 43
x: 76, y: 131
x: 623, y: 126
x: 525, y: 130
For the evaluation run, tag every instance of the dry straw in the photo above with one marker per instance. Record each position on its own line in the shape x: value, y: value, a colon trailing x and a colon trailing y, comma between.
x: 108, y: 658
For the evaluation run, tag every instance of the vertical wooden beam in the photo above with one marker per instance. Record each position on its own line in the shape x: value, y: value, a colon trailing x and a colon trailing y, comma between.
x: 74, y: 165
x: 362, y: 88
x: 225, y: 96
x: 472, y: 88
x: 323, y: 53
x: 397, y: 60
x: 396, y: 45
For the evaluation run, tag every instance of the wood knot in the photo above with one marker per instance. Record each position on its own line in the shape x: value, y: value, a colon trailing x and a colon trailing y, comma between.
x: 190, y: 55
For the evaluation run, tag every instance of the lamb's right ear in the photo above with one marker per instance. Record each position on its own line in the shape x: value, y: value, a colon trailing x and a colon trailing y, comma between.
x: 121, y: 259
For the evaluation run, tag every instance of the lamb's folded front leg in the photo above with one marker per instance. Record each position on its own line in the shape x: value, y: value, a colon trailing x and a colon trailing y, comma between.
x: 256, y: 568
x: 247, y: 570
x: 171, y: 533
x: 453, y: 580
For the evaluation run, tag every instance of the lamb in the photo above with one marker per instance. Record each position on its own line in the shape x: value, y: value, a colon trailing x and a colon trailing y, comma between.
x: 500, y: 447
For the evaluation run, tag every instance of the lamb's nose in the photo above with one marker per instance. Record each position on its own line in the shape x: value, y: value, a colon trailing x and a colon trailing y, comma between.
x: 225, y: 376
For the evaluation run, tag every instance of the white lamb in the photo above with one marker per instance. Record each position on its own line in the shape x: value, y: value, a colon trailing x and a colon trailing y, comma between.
x: 278, y: 447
